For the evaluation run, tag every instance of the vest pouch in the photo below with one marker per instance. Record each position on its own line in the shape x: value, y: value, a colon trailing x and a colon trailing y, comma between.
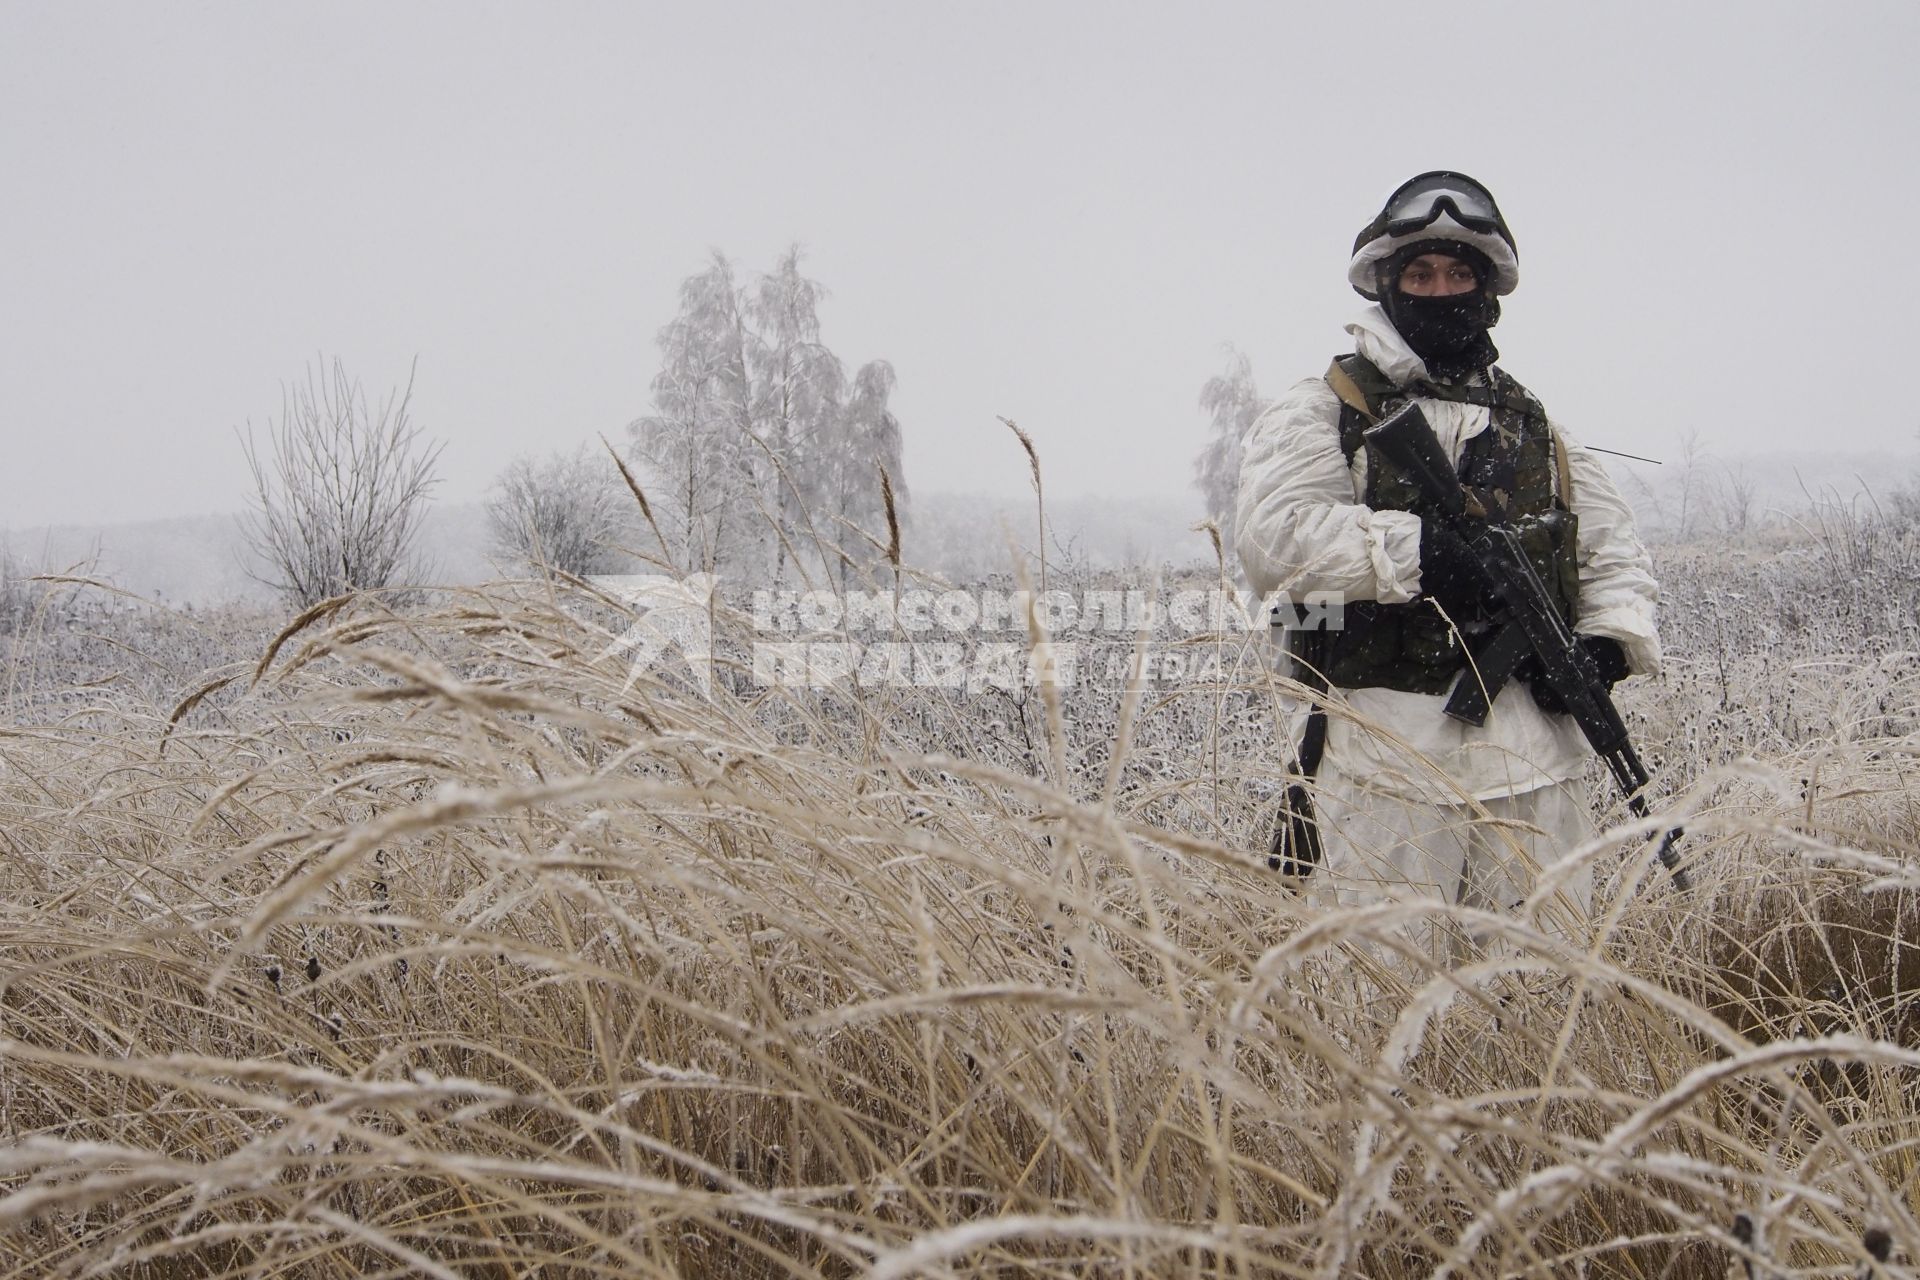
x: 1552, y: 548
x: 1304, y: 654
x: 1362, y: 650
x: 1431, y: 650
x: 1407, y: 647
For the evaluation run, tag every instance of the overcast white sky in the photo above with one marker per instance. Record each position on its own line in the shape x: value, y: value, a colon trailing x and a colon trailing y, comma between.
x: 1052, y: 211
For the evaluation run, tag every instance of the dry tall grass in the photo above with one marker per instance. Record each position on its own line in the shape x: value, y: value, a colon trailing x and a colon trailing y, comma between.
x: 434, y: 952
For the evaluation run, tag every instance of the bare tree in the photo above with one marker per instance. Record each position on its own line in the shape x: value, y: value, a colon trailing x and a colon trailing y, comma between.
x: 338, y: 503
x: 1904, y: 501
x: 1650, y: 508
x: 1739, y: 489
x: 1692, y: 480
x: 15, y: 599
x: 568, y: 512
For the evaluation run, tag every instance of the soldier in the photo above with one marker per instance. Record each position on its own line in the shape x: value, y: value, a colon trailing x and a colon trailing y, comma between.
x: 1410, y: 802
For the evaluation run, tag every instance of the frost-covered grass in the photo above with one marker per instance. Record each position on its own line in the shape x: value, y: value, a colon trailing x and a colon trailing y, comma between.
x: 434, y: 951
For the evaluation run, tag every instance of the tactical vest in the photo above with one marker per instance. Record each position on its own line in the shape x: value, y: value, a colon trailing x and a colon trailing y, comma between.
x: 1517, y: 463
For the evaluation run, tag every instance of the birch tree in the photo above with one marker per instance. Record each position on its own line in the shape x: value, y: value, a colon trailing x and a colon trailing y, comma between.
x: 869, y: 440
x: 755, y: 445
x: 1232, y: 402
x: 697, y: 443
x: 799, y: 385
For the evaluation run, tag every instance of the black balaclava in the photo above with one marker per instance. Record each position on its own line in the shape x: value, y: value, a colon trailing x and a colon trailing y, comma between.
x: 1449, y: 334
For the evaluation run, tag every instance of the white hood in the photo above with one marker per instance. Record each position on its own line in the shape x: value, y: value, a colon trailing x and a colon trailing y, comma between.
x: 1375, y: 338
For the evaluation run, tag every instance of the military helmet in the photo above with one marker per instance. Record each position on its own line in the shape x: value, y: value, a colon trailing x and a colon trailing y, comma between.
x: 1440, y: 205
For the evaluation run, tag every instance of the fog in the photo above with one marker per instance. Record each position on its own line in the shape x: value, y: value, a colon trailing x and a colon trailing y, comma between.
x: 1058, y: 213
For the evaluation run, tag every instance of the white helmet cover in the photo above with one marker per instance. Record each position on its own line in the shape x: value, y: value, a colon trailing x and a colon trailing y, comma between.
x: 1506, y: 263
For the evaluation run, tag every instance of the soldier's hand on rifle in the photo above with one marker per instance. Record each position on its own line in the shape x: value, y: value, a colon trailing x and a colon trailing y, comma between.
x: 1608, y: 658
x: 1449, y: 575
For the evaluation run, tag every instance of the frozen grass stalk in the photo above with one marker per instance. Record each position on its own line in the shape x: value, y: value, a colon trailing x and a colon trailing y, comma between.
x: 429, y: 946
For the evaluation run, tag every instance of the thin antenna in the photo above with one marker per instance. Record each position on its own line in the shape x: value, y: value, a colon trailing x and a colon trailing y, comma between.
x: 1616, y: 453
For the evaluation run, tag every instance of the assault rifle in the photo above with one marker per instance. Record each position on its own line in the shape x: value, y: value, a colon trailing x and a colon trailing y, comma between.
x: 1526, y: 622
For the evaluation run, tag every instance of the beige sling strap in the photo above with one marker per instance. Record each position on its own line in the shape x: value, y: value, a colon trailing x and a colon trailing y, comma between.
x: 1349, y: 391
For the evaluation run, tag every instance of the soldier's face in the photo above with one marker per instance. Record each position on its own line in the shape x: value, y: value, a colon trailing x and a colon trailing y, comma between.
x: 1437, y: 275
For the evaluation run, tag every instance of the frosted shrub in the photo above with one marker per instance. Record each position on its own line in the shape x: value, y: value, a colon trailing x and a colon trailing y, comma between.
x: 339, y: 496
x: 566, y: 511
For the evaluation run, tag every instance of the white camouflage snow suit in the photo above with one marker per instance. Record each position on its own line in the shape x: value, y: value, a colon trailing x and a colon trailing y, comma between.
x: 1469, y: 823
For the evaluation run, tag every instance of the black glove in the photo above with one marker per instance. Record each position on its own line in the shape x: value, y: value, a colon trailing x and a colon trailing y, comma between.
x: 1608, y: 659
x: 1448, y: 574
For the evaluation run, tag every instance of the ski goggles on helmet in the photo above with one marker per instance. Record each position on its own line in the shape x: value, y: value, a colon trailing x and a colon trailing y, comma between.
x: 1419, y: 202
